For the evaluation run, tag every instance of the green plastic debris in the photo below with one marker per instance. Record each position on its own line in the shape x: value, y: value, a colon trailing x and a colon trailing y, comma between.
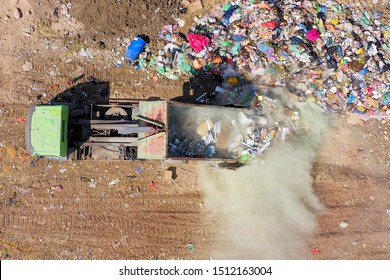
x: 143, y: 63
x: 234, y: 94
x: 191, y: 247
x: 202, y: 53
x: 272, y: 69
x: 329, y: 42
x: 317, y: 6
x: 171, y: 76
x: 337, y: 8
x: 245, y: 98
x: 244, y: 158
x: 184, y: 66
x: 295, y: 49
x: 222, y: 52
x: 193, y: 72
x: 152, y: 62
x: 226, y: 7
x: 235, y: 49
x: 160, y: 69
x: 321, y: 26
x: 225, y: 44
x: 209, y: 66
x: 386, y: 48
x: 365, y: 21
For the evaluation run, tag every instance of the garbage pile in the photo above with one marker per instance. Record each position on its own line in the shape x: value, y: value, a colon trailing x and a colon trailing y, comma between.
x: 236, y: 133
x: 327, y: 53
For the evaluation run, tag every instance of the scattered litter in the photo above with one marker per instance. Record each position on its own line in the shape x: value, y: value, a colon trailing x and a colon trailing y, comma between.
x: 23, y: 191
x: 139, y: 169
x: 152, y: 186
x: 343, y: 224
x: 315, y: 251
x: 135, y: 48
x: 21, y: 119
x: 12, y: 199
x: 85, y: 53
x: 136, y: 194
x: 388, y: 211
x: 334, y: 53
x: 92, y: 183
x: 63, y: 170
x: 168, y: 174
x: 58, y: 188
x: 113, y: 182
x: 191, y: 247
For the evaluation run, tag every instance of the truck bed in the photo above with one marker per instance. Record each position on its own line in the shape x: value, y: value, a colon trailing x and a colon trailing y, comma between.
x: 204, y: 132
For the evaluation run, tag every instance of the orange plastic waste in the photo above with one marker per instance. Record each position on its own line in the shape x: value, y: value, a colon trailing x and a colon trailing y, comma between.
x: 217, y: 60
x: 263, y: 5
x: 197, y: 64
x: 330, y: 27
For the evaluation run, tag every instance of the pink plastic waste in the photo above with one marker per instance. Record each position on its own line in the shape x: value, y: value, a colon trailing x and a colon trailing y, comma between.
x: 198, y: 41
x: 313, y: 35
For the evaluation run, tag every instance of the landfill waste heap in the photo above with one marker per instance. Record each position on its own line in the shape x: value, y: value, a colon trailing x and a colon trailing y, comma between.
x: 326, y: 53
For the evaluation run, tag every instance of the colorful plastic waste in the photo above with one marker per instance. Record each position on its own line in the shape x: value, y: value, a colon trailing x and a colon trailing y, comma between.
x: 198, y: 42
x: 313, y: 35
x: 135, y: 48
x: 334, y: 54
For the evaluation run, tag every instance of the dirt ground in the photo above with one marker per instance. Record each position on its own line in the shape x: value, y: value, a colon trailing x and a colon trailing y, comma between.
x: 107, y: 210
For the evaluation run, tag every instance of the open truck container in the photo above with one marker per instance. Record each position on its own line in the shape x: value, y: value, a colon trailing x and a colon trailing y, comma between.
x: 133, y: 130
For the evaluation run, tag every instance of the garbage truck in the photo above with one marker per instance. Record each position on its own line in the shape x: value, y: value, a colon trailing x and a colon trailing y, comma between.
x: 137, y: 130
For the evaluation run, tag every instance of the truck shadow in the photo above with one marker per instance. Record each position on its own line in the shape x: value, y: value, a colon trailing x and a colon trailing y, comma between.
x: 203, y: 84
x: 92, y: 91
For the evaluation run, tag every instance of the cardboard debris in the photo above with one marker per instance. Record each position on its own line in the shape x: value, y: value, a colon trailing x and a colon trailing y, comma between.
x: 192, y: 5
x: 204, y: 128
x: 168, y: 174
x: 243, y: 119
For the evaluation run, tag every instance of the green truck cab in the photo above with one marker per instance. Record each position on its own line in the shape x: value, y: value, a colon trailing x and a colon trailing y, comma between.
x: 47, y: 133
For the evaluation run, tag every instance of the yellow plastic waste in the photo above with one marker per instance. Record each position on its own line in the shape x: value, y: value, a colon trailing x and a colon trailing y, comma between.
x: 334, y: 21
x: 359, y: 51
x: 233, y: 81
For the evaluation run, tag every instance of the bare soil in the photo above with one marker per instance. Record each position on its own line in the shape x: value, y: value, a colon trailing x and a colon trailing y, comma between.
x: 107, y: 210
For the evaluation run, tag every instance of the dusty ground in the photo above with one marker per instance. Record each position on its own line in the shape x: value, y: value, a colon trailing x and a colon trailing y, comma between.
x: 91, y: 219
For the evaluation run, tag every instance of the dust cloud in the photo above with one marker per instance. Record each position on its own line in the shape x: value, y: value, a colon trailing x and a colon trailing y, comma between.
x: 267, y: 209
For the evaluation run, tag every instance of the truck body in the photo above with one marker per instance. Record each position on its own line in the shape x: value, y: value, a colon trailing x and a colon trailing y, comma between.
x: 132, y: 130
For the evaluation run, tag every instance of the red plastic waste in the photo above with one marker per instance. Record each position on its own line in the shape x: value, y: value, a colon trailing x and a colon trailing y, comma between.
x: 198, y: 41
x: 316, y: 250
x: 269, y: 24
x: 313, y: 35
x: 152, y: 186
